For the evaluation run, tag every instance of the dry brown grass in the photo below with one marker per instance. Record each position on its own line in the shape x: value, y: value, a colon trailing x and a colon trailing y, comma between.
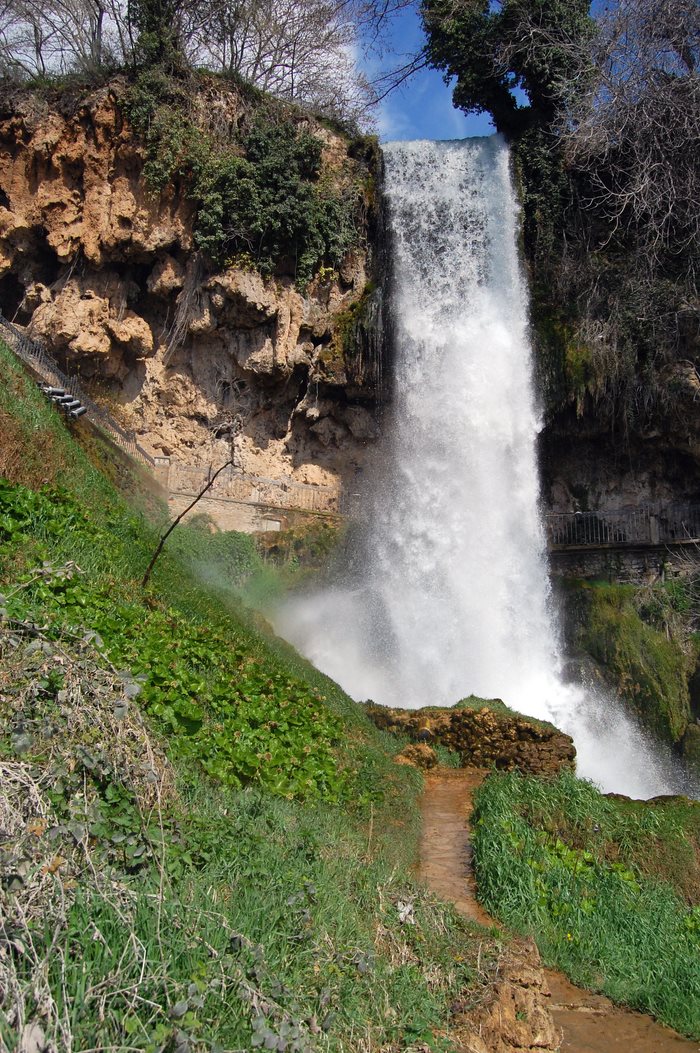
x: 29, y: 458
x: 48, y: 853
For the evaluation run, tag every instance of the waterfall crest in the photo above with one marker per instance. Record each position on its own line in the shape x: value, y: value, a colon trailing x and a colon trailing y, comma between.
x: 450, y: 596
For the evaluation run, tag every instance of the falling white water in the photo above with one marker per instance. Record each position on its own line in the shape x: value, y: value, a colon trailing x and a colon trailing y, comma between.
x: 452, y: 595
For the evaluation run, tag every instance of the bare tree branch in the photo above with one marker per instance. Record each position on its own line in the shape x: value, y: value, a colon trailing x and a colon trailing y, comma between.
x: 634, y: 129
x: 168, y: 532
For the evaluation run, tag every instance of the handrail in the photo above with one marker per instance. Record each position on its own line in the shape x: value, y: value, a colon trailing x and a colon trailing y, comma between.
x: 36, y: 356
x: 647, y: 525
x: 236, y: 485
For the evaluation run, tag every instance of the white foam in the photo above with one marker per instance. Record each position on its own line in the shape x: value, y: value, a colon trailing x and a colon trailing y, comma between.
x: 452, y: 597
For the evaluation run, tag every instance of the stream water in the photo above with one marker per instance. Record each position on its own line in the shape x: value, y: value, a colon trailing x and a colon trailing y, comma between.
x: 447, y: 593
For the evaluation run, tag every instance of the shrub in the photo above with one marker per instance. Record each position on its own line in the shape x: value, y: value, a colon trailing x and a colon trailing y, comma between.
x: 257, y: 191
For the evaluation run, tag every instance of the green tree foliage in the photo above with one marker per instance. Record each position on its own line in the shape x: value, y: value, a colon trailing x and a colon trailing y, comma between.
x: 515, y: 60
x: 154, y: 21
x: 493, y: 49
x: 604, y: 146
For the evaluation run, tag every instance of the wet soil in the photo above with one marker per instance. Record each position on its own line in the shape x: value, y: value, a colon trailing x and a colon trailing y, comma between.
x: 590, y: 1022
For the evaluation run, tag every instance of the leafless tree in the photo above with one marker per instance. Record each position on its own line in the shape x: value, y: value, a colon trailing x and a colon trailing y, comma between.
x: 301, y: 50
x: 633, y: 123
x: 60, y: 35
x: 304, y: 52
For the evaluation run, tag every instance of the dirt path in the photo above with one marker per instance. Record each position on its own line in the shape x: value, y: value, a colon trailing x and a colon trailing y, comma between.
x: 591, y: 1023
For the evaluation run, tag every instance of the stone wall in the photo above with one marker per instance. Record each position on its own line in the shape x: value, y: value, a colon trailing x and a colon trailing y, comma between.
x: 644, y: 564
x: 228, y: 514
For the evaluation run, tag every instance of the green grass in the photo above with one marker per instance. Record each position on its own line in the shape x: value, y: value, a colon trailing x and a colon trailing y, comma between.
x: 256, y: 895
x: 472, y: 703
x: 609, y: 889
x: 498, y: 706
x: 255, y: 912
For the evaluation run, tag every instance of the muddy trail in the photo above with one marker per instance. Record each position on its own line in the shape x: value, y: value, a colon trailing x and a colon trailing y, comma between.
x: 590, y: 1023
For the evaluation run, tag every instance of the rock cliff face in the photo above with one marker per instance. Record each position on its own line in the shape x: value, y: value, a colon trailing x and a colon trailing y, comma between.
x: 589, y: 466
x: 107, y: 275
x: 516, y: 1017
x: 607, y: 449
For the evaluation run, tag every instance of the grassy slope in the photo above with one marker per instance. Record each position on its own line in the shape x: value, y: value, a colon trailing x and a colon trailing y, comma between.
x: 610, y: 889
x: 241, y: 887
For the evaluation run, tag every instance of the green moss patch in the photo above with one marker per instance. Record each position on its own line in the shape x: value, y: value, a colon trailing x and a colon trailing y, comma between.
x: 648, y: 666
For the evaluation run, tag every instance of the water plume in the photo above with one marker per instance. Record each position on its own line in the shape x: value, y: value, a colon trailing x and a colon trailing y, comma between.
x: 450, y: 595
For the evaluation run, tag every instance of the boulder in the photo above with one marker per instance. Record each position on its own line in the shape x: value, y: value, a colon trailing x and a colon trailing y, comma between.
x: 485, y: 734
x: 417, y: 755
x: 516, y: 1018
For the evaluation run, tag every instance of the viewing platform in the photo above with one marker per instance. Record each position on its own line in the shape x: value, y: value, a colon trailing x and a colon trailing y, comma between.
x: 628, y: 545
x: 648, y: 526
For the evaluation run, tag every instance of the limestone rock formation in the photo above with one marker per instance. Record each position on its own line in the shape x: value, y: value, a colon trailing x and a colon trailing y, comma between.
x: 484, y: 734
x: 516, y: 1018
x: 106, y: 273
x: 418, y: 755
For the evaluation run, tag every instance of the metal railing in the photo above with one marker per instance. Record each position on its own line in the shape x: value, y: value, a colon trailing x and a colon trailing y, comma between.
x: 234, y: 485
x: 659, y: 525
x: 38, y: 359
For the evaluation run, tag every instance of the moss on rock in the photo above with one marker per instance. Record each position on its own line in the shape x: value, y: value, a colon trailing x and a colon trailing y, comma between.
x: 691, y: 748
x: 485, y: 733
x: 564, y: 360
x: 648, y: 668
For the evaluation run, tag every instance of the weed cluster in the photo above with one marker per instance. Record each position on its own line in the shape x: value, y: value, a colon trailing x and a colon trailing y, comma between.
x: 226, y: 710
x: 145, y: 909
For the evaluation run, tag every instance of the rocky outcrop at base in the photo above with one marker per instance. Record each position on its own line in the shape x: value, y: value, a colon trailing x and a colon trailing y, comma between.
x: 418, y: 755
x: 485, y: 734
x: 516, y: 1017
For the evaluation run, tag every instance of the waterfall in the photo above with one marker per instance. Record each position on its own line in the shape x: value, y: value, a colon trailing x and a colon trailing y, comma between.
x: 450, y: 596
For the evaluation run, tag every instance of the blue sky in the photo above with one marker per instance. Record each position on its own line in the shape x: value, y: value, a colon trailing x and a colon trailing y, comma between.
x: 422, y: 108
